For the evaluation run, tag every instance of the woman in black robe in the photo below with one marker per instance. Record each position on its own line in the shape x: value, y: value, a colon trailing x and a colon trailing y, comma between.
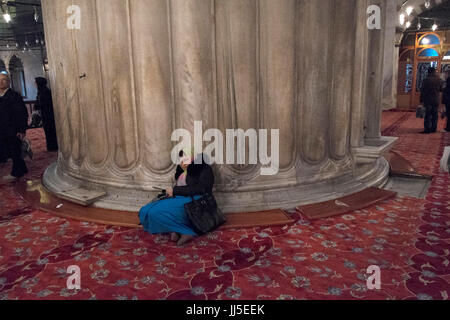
x: 45, y: 104
x: 446, y: 101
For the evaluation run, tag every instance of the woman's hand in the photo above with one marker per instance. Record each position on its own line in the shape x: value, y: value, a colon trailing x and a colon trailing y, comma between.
x: 169, y: 192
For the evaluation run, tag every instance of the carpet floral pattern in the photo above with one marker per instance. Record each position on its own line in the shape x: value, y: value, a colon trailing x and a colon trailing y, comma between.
x: 324, y: 259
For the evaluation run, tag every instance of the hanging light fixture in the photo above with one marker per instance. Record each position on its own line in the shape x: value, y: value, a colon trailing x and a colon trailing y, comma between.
x: 36, y: 14
x: 409, y: 10
x: 428, y: 4
x: 419, y: 25
x: 402, y: 18
x: 434, y: 27
x: 6, y: 14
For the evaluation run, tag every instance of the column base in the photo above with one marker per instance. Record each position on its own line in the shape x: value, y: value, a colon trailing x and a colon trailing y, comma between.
x: 375, y: 174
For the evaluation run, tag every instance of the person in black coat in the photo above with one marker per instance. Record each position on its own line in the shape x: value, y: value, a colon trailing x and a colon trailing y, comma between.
x: 199, y: 180
x: 429, y: 95
x: 446, y: 101
x: 13, y: 126
x: 45, y: 104
x: 168, y: 215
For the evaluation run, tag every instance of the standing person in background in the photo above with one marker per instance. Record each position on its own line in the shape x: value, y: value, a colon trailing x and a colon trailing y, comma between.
x: 45, y: 104
x: 13, y: 126
x: 430, y: 91
x: 446, y: 101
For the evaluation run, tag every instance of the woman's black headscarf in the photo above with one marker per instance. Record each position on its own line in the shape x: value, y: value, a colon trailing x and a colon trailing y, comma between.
x: 41, y: 83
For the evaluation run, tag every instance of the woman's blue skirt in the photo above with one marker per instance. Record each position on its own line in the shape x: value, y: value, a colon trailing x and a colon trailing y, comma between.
x: 167, y: 216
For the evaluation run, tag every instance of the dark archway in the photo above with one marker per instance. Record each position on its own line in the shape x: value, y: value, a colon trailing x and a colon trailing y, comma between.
x: 2, y: 66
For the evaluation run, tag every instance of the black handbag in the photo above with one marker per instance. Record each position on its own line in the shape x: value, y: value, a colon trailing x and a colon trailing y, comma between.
x: 204, y: 215
x: 25, y: 148
x: 420, y: 112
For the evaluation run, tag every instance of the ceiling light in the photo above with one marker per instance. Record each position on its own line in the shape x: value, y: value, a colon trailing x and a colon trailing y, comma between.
x: 6, y: 14
x: 7, y: 17
x: 402, y: 19
x: 434, y: 27
x: 409, y: 10
x: 36, y: 15
x: 408, y: 24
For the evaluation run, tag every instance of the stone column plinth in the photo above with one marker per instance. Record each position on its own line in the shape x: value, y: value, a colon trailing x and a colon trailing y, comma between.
x: 139, y: 69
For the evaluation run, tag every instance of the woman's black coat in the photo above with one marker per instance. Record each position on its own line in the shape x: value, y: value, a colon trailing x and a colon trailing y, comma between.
x: 13, y: 114
x: 446, y: 94
x: 200, y: 180
x: 45, y: 104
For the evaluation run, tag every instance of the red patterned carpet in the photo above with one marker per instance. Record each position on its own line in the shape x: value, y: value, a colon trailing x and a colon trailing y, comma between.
x: 323, y: 259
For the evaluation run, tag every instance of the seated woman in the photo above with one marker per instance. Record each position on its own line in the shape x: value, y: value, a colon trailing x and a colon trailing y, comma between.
x: 168, y: 216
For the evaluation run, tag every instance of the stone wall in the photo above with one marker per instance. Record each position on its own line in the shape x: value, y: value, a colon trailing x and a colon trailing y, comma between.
x: 33, y: 64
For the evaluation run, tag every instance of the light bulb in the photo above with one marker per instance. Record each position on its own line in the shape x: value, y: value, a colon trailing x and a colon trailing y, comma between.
x: 408, y: 24
x: 36, y: 15
x: 7, y: 17
x: 409, y: 10
x: 434, y: 27
x: 402, y: 19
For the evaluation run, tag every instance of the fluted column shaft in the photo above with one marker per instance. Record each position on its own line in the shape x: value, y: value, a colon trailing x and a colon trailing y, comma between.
x: 139, y: 69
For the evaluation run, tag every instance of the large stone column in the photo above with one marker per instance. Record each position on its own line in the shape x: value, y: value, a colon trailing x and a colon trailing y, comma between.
x: 375, y: 76
x: 139, y: 69
x: 391, y: 54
